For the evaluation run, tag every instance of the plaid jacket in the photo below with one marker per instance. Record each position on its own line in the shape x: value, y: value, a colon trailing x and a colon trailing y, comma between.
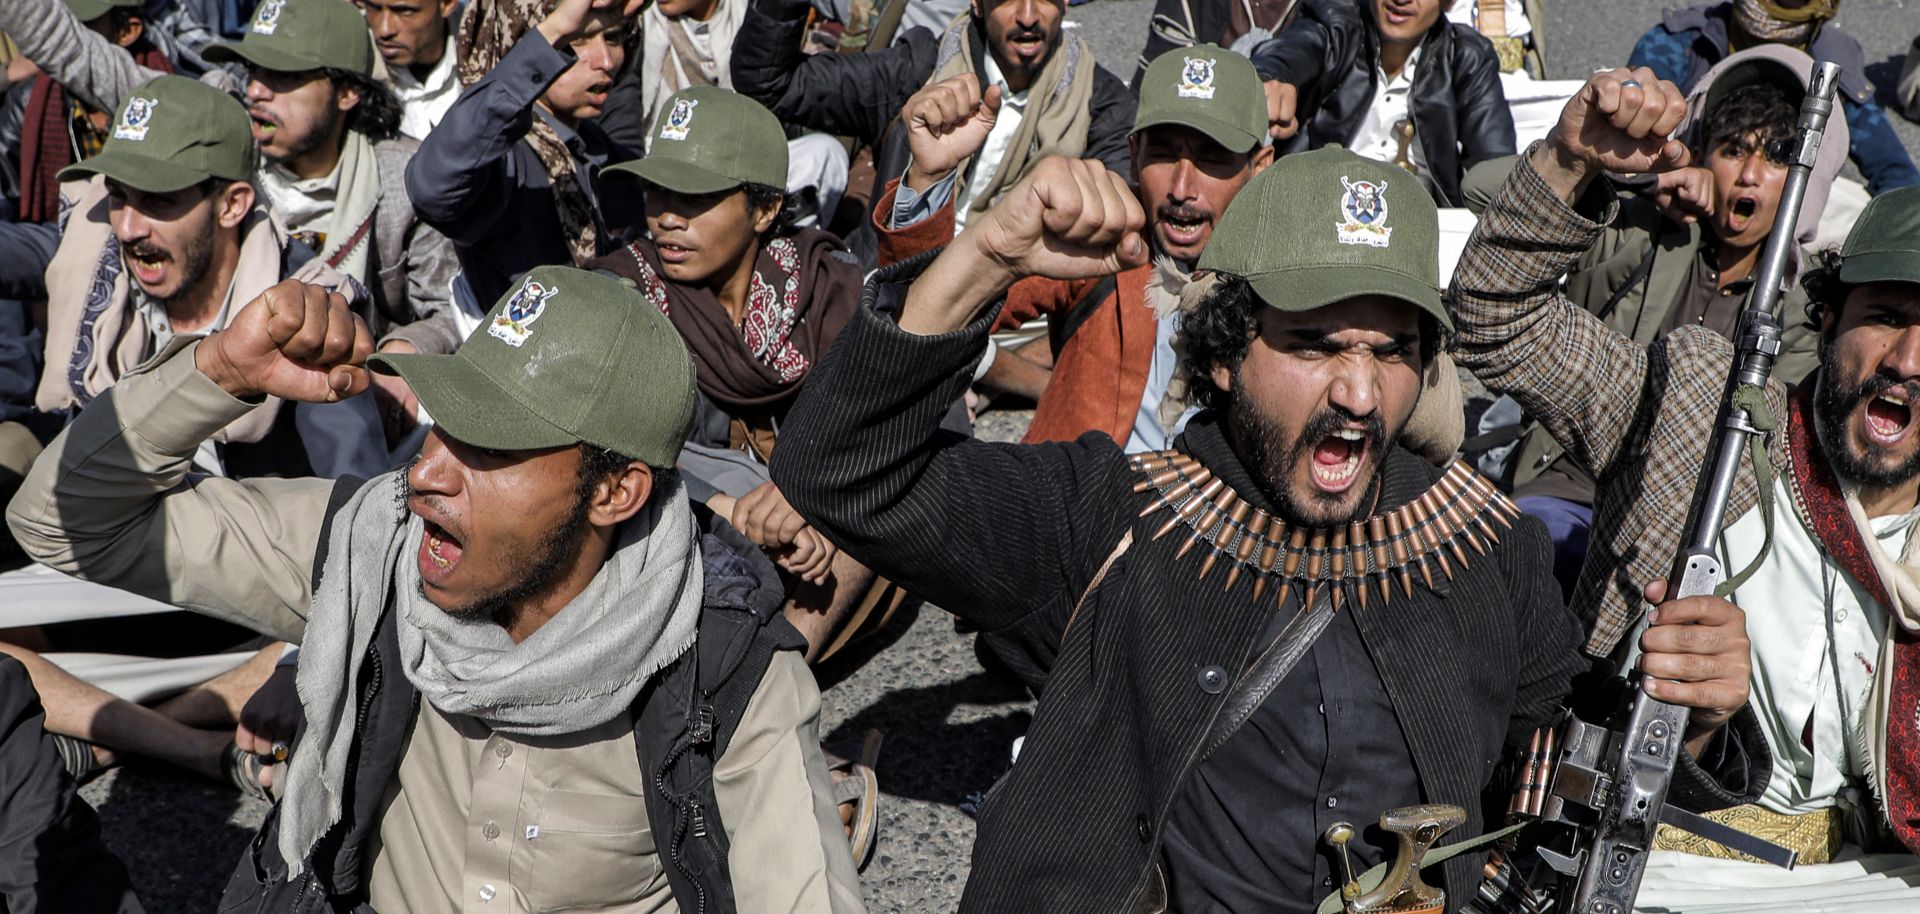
x: 1638, y: 418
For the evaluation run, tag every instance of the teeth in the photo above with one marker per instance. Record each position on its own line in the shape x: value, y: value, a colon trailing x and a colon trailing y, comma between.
x: 433, y: 552
x: 1896, y: 396
x: 1348, y: 434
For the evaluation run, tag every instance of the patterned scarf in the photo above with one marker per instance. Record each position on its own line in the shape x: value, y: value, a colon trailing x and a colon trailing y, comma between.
x: 803, y: 291
x: 1833, y: 514
x: 488, y: 30
x: 1770, y: 22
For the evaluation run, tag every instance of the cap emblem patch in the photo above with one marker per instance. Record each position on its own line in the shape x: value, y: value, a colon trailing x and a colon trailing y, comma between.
x: 267, y: 17
x: 514, y: 324
x: 1364, y: 208
x: 1196, y: 78
x: 136, y: 119
x: 679, y: 119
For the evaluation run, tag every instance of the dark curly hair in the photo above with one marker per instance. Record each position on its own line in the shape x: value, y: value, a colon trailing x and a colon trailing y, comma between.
x: 1760, y: 108
x: 378, y: 114
x: 1821, y: 279
x: 1221, y: 327
x: 759, y: 195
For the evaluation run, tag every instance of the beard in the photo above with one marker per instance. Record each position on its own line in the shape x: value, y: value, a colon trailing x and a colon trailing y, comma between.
x: 550, y: 557
x: 1834, y: 407
x: 194, y: 259
x: 1273, y: 457
x: 320, y: 135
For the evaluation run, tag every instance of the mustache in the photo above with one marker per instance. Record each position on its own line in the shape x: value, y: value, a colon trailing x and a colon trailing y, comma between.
x: 1335, y: 418
x: 1873, y: 386
x: 1027, y: 34
x: 147, y: 251
x: 261, y: 114
x: 1182, y: 212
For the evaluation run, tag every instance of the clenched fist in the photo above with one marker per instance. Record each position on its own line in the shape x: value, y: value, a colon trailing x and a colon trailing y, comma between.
x: 947, y: 122
x: 1620, y: 121
x: 296, y: 341
x: 1068, y: 219
x: 1283, y: 103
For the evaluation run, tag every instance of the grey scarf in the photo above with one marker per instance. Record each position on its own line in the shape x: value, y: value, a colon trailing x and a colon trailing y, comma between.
x: 579, y: 670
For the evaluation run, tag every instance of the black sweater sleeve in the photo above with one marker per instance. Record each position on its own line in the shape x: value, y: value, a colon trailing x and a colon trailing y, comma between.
x: 992, y: 532
x: 842, y: 94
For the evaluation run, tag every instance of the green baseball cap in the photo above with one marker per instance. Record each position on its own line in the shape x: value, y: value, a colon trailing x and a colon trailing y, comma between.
x: 293, y: 36
x: 1320, y: 227
x: 170, y: 134
x: 1209, y: 89
x: 89, y: 10
x: 1884, y: 245
x: 567, y: 356
x: 707, y: 139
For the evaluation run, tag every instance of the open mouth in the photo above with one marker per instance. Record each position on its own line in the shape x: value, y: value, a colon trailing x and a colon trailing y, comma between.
x: 1337, y: 459
x: 262, y: 127
x: 1027, y: 44
x: 671, y: 252
x: 1185, y: 226
x: 149, y: 266
x: 1889, y: 416
x: 439, y: 551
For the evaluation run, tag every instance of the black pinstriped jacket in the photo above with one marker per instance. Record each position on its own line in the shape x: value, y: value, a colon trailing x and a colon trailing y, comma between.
x: 1009, y: 536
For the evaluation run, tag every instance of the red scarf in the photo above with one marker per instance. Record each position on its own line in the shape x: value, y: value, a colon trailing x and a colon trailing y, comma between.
x: 1826, y: 512
x: 47, y: 145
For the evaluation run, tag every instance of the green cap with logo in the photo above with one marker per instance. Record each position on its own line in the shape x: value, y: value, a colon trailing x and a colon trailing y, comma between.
x: 170, y: 134
x: 1207, y: 88
x: 565, y: 357
x: 294, y: 36
x: 707, y: 139
x: 1884, y: 245
x: 1320, y: 227
x: 89, y: 10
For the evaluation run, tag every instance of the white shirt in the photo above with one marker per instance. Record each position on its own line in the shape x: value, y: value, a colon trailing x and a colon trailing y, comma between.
x: 1793, y: 679
x: 1013, y: 109
x: 1374, y: 139
x: 424, y: 102
x: 301, y: 204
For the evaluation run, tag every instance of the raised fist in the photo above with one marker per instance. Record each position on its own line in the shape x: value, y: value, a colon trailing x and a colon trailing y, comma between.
x: 296, y: 341
x: 1685, y: 194
x: 1067, y: 219
x: 947, y: 122
x: 570, y: 19
x: 1283, y: 102
x: 1621, y: 122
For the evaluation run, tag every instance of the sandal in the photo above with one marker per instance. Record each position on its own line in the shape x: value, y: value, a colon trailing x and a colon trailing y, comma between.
x: 76, y: 755
x: 859, y: 787
x: 242, y: 769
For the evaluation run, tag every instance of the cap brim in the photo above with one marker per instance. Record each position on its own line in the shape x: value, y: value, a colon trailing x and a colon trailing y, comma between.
x: 153, y: 176
x: 261, y: 56
x: 1307, y: 288
x: 469, y: 406
x: 1230, y: 137
x: 1880, y: 266
x: 675, y: 175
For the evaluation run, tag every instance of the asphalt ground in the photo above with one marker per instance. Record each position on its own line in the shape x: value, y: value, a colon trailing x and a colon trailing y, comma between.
x: 948, y: 722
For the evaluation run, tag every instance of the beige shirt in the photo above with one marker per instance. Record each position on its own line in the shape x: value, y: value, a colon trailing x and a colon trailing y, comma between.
x: 111, y: 501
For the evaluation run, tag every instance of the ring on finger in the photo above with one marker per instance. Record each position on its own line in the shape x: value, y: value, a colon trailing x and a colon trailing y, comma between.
x: 278, y: 753
x: 1630, y: 84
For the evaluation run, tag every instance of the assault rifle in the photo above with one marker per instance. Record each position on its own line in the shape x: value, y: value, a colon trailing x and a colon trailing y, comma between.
x: 1606, y: 780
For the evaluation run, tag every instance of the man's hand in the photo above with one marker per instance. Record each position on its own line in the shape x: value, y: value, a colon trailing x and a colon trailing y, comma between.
x: 1620, y: 121
x: 270, y: 718
x: 296, y: 341
x: 1685, y: 195
x: 570, y: 18
x: 1283, y: 102
x: 947, y: 122
x: 765, y: 517
x: 1696, y: 654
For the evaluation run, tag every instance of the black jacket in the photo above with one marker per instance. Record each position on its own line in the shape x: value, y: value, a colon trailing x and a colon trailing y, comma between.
x: 860, y: 95
x: 51, y: 855
x: 683, y: 720
x: 1011, y: 537
x: 1331, y: 52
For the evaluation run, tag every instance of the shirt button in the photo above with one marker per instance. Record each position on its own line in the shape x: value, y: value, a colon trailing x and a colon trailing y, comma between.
x: 1212, y: 680
x: 1332, y: 802
x: 1143, y: 827
x: 492, y: 831
x: 503, y: 750
x: 487, y: 892
x: 1323, y: 707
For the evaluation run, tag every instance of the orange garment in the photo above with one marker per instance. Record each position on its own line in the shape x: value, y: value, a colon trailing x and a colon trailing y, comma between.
x: 1101, y: 372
